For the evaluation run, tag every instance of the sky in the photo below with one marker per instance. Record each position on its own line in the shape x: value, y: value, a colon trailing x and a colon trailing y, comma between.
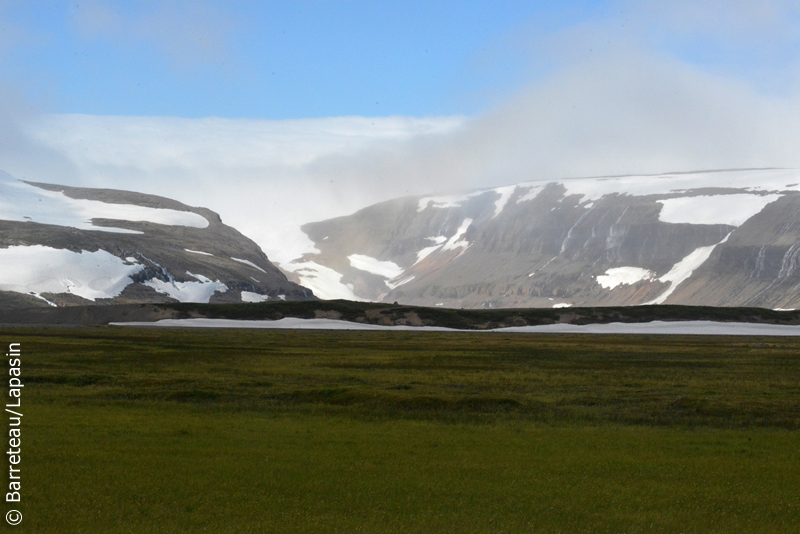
x: 278, y: 113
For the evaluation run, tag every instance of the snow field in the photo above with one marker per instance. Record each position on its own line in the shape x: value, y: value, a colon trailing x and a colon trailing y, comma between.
x: 654, y: 327
x: 249, y: 296
x: 623, y: 276
x: 200, y: 291
x: 39, y: 269
x: 684, y: 269
x: 732, y: 210
x: 23, y: 202
x: 250, y: 263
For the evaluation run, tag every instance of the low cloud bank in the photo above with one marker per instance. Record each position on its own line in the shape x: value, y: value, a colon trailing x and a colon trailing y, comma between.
x: 619, y: 114
x: 659, y: 87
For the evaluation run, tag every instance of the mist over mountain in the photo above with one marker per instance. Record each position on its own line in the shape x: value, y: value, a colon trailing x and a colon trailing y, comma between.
x: 721, y: 238
x: 64, y: 246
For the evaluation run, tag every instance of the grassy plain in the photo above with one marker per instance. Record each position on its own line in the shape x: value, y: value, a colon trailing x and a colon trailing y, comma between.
x: 153, y: 430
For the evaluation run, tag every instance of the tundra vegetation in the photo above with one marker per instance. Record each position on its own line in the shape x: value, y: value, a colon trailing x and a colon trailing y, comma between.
x: 172, y: 430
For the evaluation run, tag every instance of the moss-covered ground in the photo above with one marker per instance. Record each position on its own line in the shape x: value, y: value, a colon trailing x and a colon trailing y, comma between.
x: 157, y: 430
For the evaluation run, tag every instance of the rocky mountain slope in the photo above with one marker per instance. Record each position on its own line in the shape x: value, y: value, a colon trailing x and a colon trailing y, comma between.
x: 63, y: 246
x: 717, y: 238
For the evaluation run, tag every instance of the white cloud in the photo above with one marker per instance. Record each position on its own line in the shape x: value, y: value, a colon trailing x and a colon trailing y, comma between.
x: 622, y: 112
x: 623, y: 93
x: 21, y: 154
x: 261, y: 176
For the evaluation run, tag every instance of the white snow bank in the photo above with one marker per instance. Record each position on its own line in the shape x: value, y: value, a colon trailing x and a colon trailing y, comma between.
x: 562, y: 305
x: 446, y: 201
x: 505, y: 194
x: 710, y: 328
x: 654, y: 327
x: 623, y: 276
x: 454, y: 242
x: 453, y: 201
x: 684, y: 269
x: 387, y: 269
x: 198, y: 252
x: 200, y: 291
x: 533, y: 192
x: 439, y: 240
x: 249, y: 296
x: 392, y: 284
x: 323, y: 281
x: 714, y: 209
x: 250, y: 263
x: 39, y: 269
x: 595, y: 188
x: 23, y: 202
x: 425, y: 252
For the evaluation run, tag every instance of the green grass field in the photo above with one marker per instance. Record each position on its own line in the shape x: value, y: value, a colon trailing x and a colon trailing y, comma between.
x: 151, y: 430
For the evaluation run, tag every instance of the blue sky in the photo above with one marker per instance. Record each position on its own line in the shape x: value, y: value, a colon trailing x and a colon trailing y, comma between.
x: 301, y: 59
x: 238, y: 106
x: 275, y: 60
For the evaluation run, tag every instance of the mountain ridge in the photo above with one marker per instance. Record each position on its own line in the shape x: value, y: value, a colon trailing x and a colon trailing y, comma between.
x: 67, y: 246
x: 679, y: 238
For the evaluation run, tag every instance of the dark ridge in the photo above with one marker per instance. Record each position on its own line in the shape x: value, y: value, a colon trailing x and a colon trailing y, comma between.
x: 389, y: 314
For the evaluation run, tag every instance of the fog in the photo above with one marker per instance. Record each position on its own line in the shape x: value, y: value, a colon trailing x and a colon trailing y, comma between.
x: 612, y: 96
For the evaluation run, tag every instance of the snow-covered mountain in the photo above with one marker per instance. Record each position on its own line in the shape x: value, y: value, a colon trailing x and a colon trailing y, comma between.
x: 723, y: 238
x: 68, y: 246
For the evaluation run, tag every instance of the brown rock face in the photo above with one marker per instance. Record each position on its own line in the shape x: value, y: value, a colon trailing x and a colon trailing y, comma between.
x: 163, y: 251
x: 714, y: 238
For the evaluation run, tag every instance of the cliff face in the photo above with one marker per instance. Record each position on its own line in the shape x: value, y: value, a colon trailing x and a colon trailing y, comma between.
x: 71, y: 246
x: 726, y: 238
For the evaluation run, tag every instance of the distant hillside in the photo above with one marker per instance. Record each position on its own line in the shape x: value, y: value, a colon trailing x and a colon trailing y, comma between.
x: 65, y: 246
x: 719, y: 238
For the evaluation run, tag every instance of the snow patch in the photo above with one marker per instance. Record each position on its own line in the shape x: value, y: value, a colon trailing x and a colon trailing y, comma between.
x: 713, y: 209
x: 23, y: 202
x: 710, y: 328
x: 623, y: 276
x: 654, y: 327
x: 533, y: 192
x: 198, y: 252
x: 249, y: 296
x: 38, y: 296
x: 38, y: 269
x: 446, y: 201
x: 684, y: 269
x: 425, y: 252
x: 505, y: 194
x: 595, y: 188
x: 562, y: 305
x: 387, y: 269
x: 250, y: 263
x: 201, y: 291
x: 323, y: 281
x: 454, y: 243
x: 391, y: 284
